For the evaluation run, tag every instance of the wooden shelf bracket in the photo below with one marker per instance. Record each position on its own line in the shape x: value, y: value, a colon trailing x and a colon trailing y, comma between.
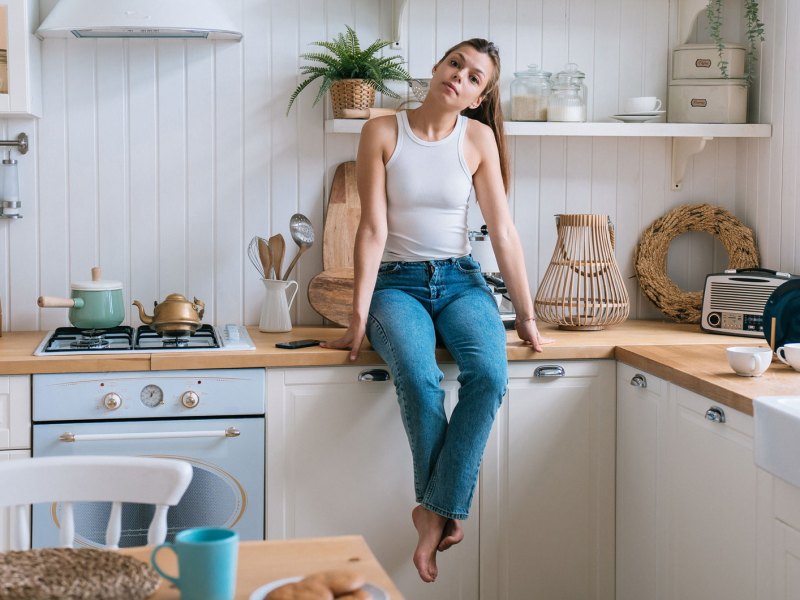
x: 682, y: 149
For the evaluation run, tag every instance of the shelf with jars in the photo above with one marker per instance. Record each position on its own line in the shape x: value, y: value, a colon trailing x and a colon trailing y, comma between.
x: 20, y: 62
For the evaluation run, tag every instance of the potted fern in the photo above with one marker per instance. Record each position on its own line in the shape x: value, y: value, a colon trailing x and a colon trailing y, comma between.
x: 754, y: 33
x: 351, y: 74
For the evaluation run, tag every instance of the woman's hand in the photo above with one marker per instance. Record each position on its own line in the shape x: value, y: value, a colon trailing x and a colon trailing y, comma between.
x: 352, y: 340
x: 529, y: 333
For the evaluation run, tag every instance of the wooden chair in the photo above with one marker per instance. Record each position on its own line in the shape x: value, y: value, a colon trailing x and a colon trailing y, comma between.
x: 115, y: 479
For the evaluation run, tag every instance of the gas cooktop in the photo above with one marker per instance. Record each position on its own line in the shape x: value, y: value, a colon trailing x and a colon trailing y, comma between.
x: 71, y: 340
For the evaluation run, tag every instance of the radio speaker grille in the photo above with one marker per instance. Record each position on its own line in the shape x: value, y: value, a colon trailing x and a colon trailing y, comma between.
x: 739, y: 297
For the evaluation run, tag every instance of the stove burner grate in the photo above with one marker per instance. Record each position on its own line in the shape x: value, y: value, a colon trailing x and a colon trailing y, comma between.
x: 175, y: 342
x: 91, y: 339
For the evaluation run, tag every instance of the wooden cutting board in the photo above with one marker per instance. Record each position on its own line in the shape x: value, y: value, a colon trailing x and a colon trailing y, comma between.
x: 331, y: 292
x: 341, y: 219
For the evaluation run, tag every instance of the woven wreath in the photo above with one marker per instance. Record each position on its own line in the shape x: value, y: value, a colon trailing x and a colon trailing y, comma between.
x: 651, y: 255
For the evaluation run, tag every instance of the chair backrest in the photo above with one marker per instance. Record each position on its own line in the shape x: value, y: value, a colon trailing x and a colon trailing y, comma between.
x: 115, y: 479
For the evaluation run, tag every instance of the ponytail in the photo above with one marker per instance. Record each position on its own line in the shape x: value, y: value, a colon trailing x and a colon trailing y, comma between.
x: 489, y: 112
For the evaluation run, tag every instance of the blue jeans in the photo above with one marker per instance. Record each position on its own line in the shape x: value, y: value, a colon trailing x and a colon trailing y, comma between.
x: 414, y: 304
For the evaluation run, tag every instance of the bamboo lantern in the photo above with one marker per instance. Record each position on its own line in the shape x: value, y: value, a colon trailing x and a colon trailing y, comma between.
x: 582, y: 288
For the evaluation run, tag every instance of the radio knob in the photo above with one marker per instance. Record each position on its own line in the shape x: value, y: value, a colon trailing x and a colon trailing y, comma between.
x: 112, y: 401
x: 714, y: 319
x: 190, y: 399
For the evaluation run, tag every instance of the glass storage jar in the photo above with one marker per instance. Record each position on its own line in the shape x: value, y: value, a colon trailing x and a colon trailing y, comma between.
x: 530, y: 91
x: 568, y: 98
x: 3, y: 71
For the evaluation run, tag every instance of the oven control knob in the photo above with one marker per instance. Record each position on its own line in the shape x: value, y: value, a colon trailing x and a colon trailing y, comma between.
x: 112, y: 401
x: 190, y: 399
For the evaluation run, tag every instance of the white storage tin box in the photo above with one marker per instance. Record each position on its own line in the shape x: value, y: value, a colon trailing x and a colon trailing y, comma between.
x: 701, y: 61
x: 707, y: 101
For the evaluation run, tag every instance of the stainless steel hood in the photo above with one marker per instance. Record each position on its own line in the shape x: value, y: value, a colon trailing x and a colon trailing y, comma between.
x: 139, y: 19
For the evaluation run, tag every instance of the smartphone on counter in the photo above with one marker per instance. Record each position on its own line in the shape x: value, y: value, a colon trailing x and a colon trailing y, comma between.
x: 297, y: 344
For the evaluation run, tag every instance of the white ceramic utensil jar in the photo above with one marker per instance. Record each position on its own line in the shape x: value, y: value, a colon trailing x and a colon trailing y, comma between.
x: 275, y: 315
x: 530, y: 91
x: 568, y: 97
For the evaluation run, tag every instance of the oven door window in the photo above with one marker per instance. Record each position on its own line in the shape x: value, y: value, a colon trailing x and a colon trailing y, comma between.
x: 227, y: 488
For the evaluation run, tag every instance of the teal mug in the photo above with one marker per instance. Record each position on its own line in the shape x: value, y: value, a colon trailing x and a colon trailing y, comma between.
x: 206, y: 563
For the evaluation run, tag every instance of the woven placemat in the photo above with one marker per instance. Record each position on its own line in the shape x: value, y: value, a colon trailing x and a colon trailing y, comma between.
x: 651, y: 255
x: 74, y: 574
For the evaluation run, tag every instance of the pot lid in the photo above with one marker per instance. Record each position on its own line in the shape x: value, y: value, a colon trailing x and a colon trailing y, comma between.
x: 96, y: 284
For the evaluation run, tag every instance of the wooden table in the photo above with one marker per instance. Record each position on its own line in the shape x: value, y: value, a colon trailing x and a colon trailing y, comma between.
x: 262, y: 562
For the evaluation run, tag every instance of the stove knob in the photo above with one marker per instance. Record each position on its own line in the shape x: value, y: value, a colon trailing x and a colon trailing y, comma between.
x: 190, y: 399
x: 112, y: 401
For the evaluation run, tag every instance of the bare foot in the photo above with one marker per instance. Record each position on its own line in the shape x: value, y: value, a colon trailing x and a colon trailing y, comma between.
x: 452, y: 534
x: 430, y: 528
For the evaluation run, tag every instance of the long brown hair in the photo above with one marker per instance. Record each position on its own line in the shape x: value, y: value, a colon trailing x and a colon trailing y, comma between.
x: 489, y: 111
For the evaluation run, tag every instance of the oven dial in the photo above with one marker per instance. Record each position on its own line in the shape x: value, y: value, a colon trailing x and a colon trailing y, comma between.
x: 190, y: 399
x: 112, y: 401
x: 152, y: 396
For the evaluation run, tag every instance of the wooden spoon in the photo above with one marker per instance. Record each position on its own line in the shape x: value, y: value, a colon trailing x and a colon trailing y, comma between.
x: 277, y: 246
x: 266, y: 257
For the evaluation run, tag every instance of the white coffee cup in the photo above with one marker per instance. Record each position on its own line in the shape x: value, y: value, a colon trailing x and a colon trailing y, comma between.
x: 641, y: 104
x: 749, y: 361
x: 790, y: 354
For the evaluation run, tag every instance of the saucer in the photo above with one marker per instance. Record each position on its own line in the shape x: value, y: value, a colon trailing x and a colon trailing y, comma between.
x: 635, y: 118
x: 649, y: 113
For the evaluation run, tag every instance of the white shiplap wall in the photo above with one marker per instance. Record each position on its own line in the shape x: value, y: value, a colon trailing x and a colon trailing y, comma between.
x: 158, y: 160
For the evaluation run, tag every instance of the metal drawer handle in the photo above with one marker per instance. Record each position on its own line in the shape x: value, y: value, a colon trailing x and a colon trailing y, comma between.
x: 639, y: 380
x: 374, y: 375
x: 715, y: 414
x: 158, y: 435
x: 549, y: 371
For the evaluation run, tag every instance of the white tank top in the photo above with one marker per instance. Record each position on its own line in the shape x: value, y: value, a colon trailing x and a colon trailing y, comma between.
x: 428, y: 185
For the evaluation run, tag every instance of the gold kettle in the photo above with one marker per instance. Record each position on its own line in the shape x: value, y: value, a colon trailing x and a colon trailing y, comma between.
x: 174, y: 317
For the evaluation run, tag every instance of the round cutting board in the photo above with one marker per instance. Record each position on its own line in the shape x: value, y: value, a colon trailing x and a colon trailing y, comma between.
x: 331, y: 294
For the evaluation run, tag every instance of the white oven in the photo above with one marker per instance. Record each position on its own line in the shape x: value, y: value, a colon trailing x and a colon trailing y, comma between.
x: 213, y: 419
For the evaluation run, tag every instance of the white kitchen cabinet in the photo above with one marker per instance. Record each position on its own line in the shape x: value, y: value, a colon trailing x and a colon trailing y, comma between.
x: 20, y: 95
x: 687, y: 489
x: 711, y: 505
x: 641, y: 406
x: 547, y: 485
x: 338, y: 462
x: 15, y: 435
x: 781, y: 558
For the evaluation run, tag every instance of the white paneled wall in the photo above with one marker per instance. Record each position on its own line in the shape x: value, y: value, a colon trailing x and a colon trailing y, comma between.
x: 159, y: 160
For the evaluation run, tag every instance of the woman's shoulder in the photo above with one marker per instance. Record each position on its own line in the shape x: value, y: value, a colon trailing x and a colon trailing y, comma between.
x: 480, y: 134
x: 380, y: 126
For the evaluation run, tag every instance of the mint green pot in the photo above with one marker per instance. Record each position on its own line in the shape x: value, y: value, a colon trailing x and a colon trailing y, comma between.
x: 96, y: 308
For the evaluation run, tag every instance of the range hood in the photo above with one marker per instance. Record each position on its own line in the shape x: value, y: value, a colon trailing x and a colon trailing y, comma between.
x: 139, y: 19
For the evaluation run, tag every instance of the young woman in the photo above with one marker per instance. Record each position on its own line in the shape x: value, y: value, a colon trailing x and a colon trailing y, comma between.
x: 416, y: 284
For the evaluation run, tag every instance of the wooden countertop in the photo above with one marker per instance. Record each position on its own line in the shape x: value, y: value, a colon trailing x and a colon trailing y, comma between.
x: 678, y: 353
x: 16, y: 349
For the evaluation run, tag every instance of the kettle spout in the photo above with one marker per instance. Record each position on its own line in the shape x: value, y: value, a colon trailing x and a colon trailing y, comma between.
x: 200, y: 307
x: 146, y: 319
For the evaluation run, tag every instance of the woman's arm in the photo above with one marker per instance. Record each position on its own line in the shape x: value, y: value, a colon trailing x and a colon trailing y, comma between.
x: 481, y: 148
x: 374, y: 148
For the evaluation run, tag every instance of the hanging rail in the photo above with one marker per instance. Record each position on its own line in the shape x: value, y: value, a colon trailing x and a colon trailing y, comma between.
x: 21, y: 143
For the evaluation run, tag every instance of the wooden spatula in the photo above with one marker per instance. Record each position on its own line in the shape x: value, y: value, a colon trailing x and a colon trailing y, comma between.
x: 266, y: 257
x: 277, y: 247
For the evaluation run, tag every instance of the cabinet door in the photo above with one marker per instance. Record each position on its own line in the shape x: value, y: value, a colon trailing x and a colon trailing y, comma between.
x: 547, y: 485
x: 711, y: 507
x: 15, y: 412
x: 7, y: 521
x: 20, y: 93
x: 786, y: 568
x: 339, y: 463
x: 642, y: 401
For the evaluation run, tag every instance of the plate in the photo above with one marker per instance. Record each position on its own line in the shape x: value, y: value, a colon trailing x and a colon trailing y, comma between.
x: 784, y: 306
x: 376, y: 592
x: 650, y: 113
x: 635, y: 118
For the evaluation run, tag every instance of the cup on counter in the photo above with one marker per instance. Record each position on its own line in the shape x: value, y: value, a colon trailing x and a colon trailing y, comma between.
x: 749, y: 361
x: 206, y: 563
x: 790, y: 355
x: 641, y: 104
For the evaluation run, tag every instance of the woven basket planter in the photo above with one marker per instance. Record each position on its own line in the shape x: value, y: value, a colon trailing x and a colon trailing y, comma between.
x: 351, y: 93
x: 582, y: 288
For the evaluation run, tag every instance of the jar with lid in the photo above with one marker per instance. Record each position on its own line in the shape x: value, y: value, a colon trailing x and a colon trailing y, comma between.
x: 530, y: 91
x: 568, y: 98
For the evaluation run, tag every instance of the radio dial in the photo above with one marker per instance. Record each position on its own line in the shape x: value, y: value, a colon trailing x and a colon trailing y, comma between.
x: 190, y: 399
x: 112, y: 401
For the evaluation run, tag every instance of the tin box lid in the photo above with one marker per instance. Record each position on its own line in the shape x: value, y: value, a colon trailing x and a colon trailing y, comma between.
x: 701, y: 82
x: 695, y: 47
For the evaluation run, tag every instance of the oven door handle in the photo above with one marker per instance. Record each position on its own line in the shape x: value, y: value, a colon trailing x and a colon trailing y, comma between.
x: 158, y: 435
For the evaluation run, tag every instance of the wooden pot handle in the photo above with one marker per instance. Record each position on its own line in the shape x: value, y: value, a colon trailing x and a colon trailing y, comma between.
x: 54, y: 302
